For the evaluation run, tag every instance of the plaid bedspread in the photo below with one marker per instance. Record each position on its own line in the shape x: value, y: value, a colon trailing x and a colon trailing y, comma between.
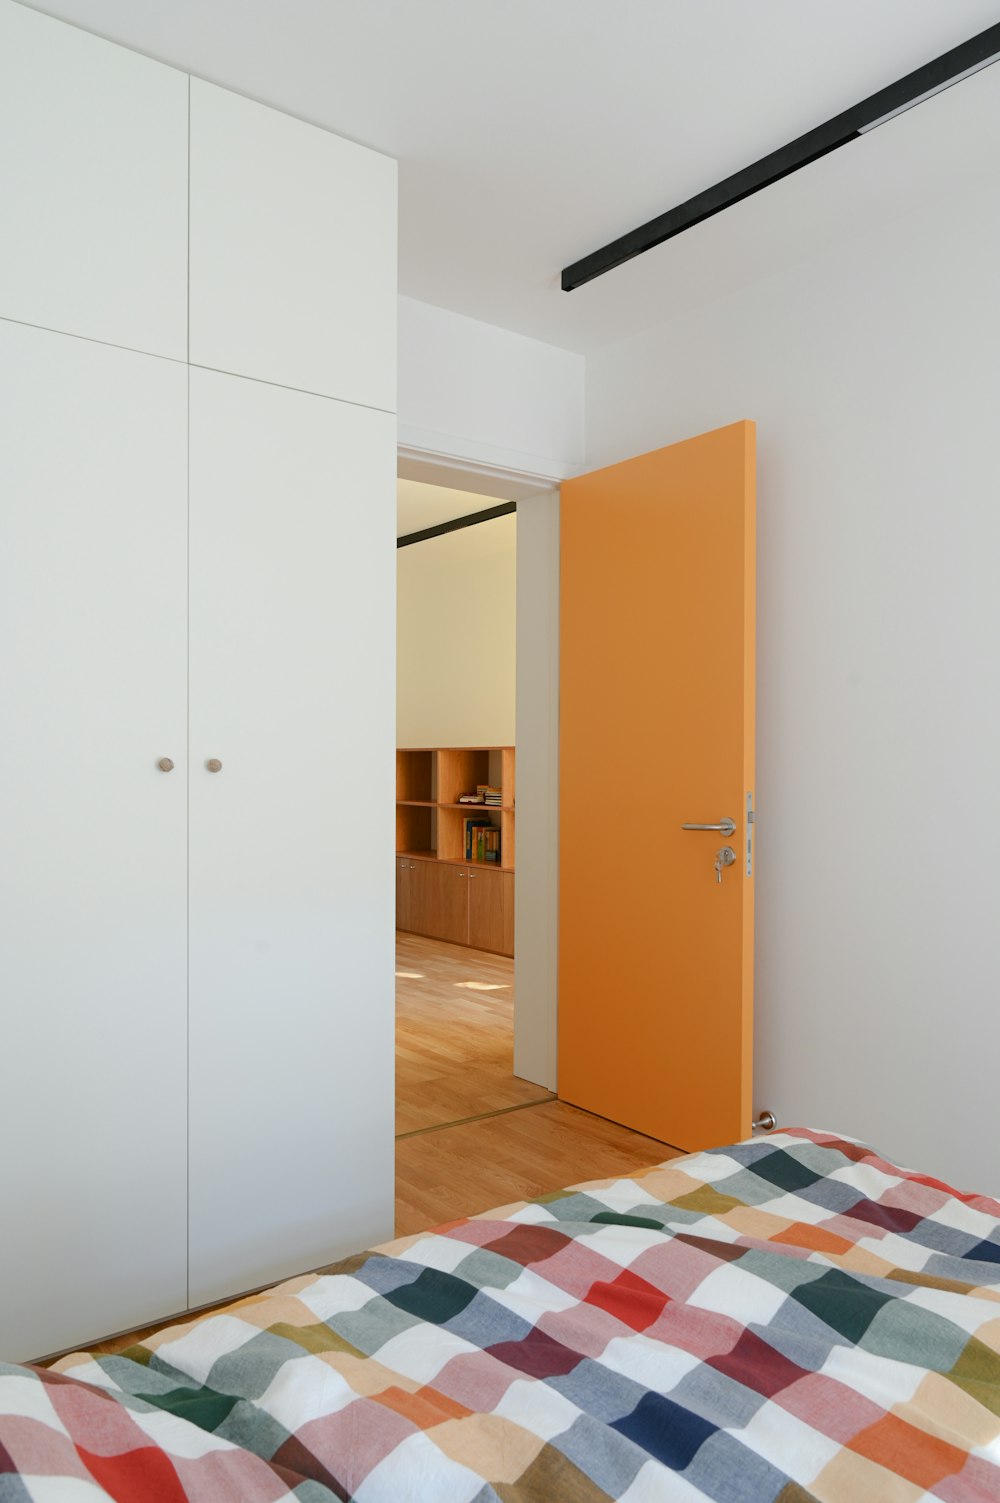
x: 789, y: 1319
x: 64, y: 1442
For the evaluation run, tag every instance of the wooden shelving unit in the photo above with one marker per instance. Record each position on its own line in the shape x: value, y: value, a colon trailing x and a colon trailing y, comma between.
x: 430, y: 848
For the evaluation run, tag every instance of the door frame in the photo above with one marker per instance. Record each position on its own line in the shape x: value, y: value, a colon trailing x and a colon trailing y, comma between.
x: 537, y: 736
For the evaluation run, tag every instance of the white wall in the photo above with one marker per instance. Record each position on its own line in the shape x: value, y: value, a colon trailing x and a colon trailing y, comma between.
x: 872, y: 373
x: 474, y: 395
x: 456, y: 611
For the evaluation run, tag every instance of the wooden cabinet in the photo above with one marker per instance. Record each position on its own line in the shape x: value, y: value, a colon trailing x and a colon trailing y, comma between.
x: 435, y: 902
x: 463, y: 902
x: 464, y: 905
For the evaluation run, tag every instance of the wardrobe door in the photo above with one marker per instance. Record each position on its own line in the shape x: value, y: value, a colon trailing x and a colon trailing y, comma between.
x: 292, y: 692
x: 293, y: 251
x: 93, y: 182
x: 93, y: 833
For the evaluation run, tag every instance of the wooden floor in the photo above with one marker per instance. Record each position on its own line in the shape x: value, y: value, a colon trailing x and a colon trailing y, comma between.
x: 454, y: 1035
x: 459, y: 1171
x: 454, y: 1062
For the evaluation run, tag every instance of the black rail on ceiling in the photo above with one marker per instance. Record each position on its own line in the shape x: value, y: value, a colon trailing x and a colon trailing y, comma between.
x: 471, y: 520
x: 950, y: 68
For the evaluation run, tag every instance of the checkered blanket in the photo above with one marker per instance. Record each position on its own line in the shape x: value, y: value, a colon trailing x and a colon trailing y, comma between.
x: 790, y: 1319
x: 64, y: 1442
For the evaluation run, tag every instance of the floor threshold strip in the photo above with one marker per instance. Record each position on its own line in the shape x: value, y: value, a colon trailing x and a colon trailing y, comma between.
x: 501, y: 1111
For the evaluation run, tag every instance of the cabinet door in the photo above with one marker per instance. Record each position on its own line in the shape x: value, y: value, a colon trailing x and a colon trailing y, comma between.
x: 420, y: 877
x: 93, y: 180
x: 485, y: 909
x: 446, y: 892
x: 93, y: 905
x: 293, y: 251
x: 453, y: 904
x: 403, y: 895
x: 508, y: 913
x: 292, y: 690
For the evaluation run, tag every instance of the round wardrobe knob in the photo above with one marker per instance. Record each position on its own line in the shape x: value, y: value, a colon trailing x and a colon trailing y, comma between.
x: 165, y: 764
x: 213, y: 764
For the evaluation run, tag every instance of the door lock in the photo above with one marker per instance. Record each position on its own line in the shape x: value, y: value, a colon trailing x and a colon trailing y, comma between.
x: 724, y: 857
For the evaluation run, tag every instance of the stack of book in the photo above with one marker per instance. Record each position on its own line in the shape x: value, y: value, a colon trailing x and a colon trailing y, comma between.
x: 482, y: 840
x: 491, y: 796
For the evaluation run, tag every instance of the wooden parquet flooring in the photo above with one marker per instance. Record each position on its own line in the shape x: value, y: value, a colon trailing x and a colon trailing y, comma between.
x: 454, y: 1061
x: 459, y: 1171
x: 454, y: 1035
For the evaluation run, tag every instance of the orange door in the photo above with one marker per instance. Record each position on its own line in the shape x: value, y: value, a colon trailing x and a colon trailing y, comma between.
x: 656, y: 732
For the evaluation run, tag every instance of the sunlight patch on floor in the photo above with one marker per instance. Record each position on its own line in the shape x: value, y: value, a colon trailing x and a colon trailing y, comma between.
x: 411, y: 975
x: 482, y: 986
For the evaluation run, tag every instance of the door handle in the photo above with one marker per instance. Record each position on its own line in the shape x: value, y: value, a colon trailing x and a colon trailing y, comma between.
x: 724, y: 827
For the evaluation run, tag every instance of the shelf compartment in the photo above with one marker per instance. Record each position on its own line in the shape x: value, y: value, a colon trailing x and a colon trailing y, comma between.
x: 461, y: 770
x: 415, y: 828
x: 451, y: 844
x: 415, y: 775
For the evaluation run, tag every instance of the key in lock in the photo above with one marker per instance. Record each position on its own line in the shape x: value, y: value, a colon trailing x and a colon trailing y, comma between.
x: 724, y: 857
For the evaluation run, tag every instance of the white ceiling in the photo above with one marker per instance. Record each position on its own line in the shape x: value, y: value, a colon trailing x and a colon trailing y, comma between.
x: 530, y: 132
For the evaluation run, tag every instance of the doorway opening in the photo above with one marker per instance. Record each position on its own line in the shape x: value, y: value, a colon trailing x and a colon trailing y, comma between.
x: 456, y: 811
x: 521, y: 1140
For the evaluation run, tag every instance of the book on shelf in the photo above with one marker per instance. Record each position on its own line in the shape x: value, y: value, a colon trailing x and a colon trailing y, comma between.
x: 469, y: 828
x: 483, y: 795
x: 490, y: 845
x: 481, y: 840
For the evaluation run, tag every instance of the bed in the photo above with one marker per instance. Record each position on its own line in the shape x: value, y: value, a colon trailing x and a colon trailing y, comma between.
x: 788, y: 1319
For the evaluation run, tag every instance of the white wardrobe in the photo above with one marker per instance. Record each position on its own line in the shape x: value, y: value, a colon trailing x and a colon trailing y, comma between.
x: 197, y: 568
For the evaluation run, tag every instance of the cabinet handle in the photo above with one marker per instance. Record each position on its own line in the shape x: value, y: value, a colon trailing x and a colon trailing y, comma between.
x: 413, y: 866
x: 213, y: 764
x: 463, y: 874
x: 165, y: 764
x: 472, y: 876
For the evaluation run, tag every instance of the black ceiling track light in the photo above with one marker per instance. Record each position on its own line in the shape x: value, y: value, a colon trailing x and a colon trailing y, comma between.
x: 950, y: 68
x: 472, y: 519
